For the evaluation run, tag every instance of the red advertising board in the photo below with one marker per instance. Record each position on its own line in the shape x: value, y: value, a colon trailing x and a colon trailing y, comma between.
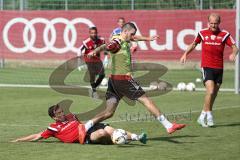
x: 59, y: 34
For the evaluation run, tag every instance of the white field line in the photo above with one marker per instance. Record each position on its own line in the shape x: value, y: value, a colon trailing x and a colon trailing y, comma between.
x: 102, y: 87
x: 132, y: 120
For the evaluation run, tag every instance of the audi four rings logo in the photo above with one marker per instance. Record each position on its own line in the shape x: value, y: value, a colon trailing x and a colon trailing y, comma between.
x: 48, y: 41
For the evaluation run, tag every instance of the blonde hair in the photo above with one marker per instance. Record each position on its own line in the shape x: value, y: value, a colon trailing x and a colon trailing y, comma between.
x: 217, y: 16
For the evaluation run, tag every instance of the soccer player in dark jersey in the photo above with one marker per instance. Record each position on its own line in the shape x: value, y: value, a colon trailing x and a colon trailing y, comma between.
x: 94, y: 64
x: 121, y: 82
x: 213, y: 42
x: 68, y: 129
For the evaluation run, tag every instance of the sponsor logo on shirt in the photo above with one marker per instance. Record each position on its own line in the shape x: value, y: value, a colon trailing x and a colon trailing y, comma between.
x: 67, y: 125
x: 213, y: 37
x: 213, y: 43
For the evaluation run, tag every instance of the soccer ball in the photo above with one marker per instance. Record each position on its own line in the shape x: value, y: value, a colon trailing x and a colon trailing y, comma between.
x: 190, y: 87
x: 119, y: 136
x: 162, y: 86
x: 153, y: 86
x: 104, y: 82
x: 198, y: 80
x: 181, y: 86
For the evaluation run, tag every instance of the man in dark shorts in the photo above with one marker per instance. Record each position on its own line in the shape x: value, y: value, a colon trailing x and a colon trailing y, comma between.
x: 121, y: 82
x: 94, y: 64
x: 213, y: 42
x: 68, y: 129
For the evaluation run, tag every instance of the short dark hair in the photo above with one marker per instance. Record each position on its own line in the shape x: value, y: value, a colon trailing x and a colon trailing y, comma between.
x: 52, y: 110
x: 93, y: 28
x: 129, y: 26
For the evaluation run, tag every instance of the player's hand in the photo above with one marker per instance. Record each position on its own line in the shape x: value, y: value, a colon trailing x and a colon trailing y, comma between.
x: 133, y: 49
x: 15, y: 140
x: 232, y: 57
x: 91, y: 54
x: 154, y: 37
x: 183, y: 59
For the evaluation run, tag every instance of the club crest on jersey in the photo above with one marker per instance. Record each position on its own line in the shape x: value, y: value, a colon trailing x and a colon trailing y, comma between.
x: 213, y: 37
x: 206, y: 37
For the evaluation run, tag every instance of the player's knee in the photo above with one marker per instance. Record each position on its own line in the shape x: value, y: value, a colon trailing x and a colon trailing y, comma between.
x: 112, y: 101
x: 109, y: 114
x: 211, y: 92
x: 102, y: 133
x: 145, y: 100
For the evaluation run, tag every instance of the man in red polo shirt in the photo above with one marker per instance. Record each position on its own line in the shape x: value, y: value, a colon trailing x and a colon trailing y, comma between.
x: 213, y: 42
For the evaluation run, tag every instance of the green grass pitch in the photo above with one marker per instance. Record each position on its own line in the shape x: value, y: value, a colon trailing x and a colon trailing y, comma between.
x: 23, y: 111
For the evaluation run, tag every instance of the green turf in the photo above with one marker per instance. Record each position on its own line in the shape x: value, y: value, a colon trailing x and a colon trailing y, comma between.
x: 24, y: 111
x: 41, y: 76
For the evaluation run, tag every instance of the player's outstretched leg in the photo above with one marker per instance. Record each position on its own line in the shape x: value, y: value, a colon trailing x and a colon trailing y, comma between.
x: 130, y: 136
x: 170, y: 127
x: 100, y: 136
x: 111, y: 106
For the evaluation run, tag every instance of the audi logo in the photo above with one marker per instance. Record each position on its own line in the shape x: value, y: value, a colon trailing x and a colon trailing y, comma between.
x: 48, y: 41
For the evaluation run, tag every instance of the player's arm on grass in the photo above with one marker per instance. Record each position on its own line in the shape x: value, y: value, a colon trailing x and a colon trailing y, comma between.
x: 30, y: 138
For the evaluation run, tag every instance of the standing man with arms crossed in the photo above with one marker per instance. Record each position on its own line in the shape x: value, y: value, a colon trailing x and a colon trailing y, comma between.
x: 213, y: 42
x: 121, y: 82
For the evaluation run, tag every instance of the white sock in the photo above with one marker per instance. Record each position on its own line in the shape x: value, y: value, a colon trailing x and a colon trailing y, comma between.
x: 134, y: 137
x: 202, y: 115
x: 162, y: 119
x: 209, y: 115
x: 88, y: 125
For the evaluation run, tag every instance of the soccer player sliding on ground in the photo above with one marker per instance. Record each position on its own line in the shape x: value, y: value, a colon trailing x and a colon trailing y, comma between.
x: 213, y: 42
x: 67, y: 128
x: 121, y: 82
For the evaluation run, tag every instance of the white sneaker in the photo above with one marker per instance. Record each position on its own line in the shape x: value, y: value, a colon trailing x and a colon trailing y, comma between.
x: 210, y: 122
x: 95, y: 95
x: 90, y: 92
x: 201, y: 122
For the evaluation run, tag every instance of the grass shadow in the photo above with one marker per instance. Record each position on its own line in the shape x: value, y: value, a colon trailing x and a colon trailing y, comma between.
x: 172, y: 139
x: 227, y: 125
x: 130, y: 145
